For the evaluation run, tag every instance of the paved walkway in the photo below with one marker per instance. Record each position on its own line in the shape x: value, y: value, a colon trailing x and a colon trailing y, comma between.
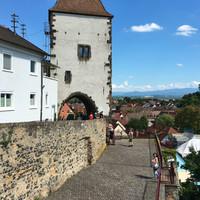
x: 122, y: 173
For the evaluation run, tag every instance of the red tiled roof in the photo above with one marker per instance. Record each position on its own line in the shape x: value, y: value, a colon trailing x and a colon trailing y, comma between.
x: 82, y: 7
x: 7, y: 35
x: 118, y: 118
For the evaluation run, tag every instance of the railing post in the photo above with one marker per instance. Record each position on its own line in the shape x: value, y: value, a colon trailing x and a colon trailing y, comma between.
x: 172, y: 173
x: 158, y: 185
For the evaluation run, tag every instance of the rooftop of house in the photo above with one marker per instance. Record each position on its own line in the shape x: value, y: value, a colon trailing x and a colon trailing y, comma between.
x: 8, y: 36
x: 82, y: 7
x: 161, y: 130
x: 117, y: 117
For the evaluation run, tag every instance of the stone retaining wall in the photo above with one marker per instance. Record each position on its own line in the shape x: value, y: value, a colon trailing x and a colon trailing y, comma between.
x: 38, y: 158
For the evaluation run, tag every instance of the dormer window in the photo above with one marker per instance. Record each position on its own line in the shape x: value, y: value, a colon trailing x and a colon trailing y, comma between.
x: 84, y: 52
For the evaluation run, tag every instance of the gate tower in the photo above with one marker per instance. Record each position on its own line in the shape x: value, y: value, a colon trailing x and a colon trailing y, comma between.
x: 81, y: 45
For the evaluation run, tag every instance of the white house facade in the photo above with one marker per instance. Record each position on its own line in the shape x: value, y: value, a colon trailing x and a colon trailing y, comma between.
x: 49, y: 98
x: 21, y: 87
x: 81, y: 46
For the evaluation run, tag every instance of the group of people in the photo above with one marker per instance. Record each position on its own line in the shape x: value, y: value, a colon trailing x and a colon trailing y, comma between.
x: 111, y: 140
x: 83, y: 116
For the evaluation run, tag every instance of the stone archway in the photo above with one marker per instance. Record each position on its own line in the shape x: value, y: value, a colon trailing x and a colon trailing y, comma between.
x: 87, y: 101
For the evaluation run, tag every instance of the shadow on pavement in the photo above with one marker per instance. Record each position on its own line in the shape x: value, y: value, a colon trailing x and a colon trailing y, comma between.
x: 145, y: 177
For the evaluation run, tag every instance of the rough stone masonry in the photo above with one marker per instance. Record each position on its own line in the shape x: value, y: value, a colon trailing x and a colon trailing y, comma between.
x: 37, y: 158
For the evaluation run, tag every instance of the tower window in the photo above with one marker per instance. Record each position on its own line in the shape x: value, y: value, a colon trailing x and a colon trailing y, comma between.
x: 68, y: 76
x: 84, y: 52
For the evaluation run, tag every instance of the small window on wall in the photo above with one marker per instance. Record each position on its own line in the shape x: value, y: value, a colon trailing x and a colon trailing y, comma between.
x: 46, y: 100
x: 68, y: 76
x: 6, y: 100
x: 32, y: 100
x: 33, y: 67
x: 6, y: 61
x: 84, y: 52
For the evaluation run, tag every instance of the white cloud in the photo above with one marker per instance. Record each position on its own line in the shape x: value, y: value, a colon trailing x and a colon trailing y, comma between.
x: 131, y: 77
x: 180, y: 65
x: 126, y: 83
x: 146, y: 28
x: 114, y: 86
x: 126, y: 87
x: 139, y: 88
x: 186, y: 30
x: 129, y: 88
x: 193, y: 84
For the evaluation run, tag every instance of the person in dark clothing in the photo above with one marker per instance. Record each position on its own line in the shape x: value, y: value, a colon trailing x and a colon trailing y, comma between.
x: 112, y: 136
x: 101, y: 114
x: 84, y: 116
x: 70, y: 116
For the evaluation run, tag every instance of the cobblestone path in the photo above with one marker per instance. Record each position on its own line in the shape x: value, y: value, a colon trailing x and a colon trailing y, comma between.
x: 122, y: 173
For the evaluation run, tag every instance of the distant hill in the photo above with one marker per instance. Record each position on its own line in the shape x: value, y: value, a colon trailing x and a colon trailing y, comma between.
x: 170, y: 93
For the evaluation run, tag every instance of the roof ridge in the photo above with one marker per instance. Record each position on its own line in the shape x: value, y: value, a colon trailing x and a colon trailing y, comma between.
x: 82, y: 7
x: 9, y: 36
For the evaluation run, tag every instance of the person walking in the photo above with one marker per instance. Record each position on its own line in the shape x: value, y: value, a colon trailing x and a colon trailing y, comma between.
x: 91, y: 116
x: 112, y: 136
x: 70, y: 116
x: 155, y: 166
x: 101, y: 114
x: 131, y: 138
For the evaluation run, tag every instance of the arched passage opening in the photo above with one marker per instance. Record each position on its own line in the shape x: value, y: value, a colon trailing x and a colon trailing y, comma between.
x: 89, y: 104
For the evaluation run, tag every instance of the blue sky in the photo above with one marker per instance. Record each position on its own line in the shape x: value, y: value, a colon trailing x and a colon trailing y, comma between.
x: 156, y: 44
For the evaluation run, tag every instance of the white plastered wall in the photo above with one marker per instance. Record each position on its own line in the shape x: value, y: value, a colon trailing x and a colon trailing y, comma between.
x: 50, y: 104
x: 20, y: 83
x: 89, y: 77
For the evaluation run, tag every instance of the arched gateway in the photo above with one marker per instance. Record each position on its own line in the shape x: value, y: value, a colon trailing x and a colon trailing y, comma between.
x: 81, y: 45
x: 87, y: 101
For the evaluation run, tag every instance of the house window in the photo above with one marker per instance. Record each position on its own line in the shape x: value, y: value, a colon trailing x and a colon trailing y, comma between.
x: 6, y: 100
x: 32, y: 66
x: 47, y: 71
x: 46, y: 100
x: 68, y: 76
x: 84, y: 52
x: 32, y: 100
x: 7, y: 61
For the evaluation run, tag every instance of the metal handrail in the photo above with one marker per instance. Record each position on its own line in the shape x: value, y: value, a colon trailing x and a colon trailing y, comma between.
x: 171, y: 168
x: 160, y: 158
x: 159, y: 150
x: 158, y: 185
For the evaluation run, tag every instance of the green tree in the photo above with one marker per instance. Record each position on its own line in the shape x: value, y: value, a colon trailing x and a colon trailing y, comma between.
x: 189, y: 190
x: 143, y: 122
x: 134, y: 123
x: 192, y: 164
x: 165, y: 120
x: 118, y: 107
x: 188, y: 117
x: 130, y: 111
x: 173, y: 140
x: 190, y: 99
x: 127, y: 99
x: 137, y: 124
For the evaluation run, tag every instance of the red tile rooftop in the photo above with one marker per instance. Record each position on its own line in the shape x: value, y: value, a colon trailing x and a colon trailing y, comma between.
x: 82, y: 7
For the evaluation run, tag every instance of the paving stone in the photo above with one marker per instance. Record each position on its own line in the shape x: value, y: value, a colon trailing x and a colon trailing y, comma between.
x: 121, y: 173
